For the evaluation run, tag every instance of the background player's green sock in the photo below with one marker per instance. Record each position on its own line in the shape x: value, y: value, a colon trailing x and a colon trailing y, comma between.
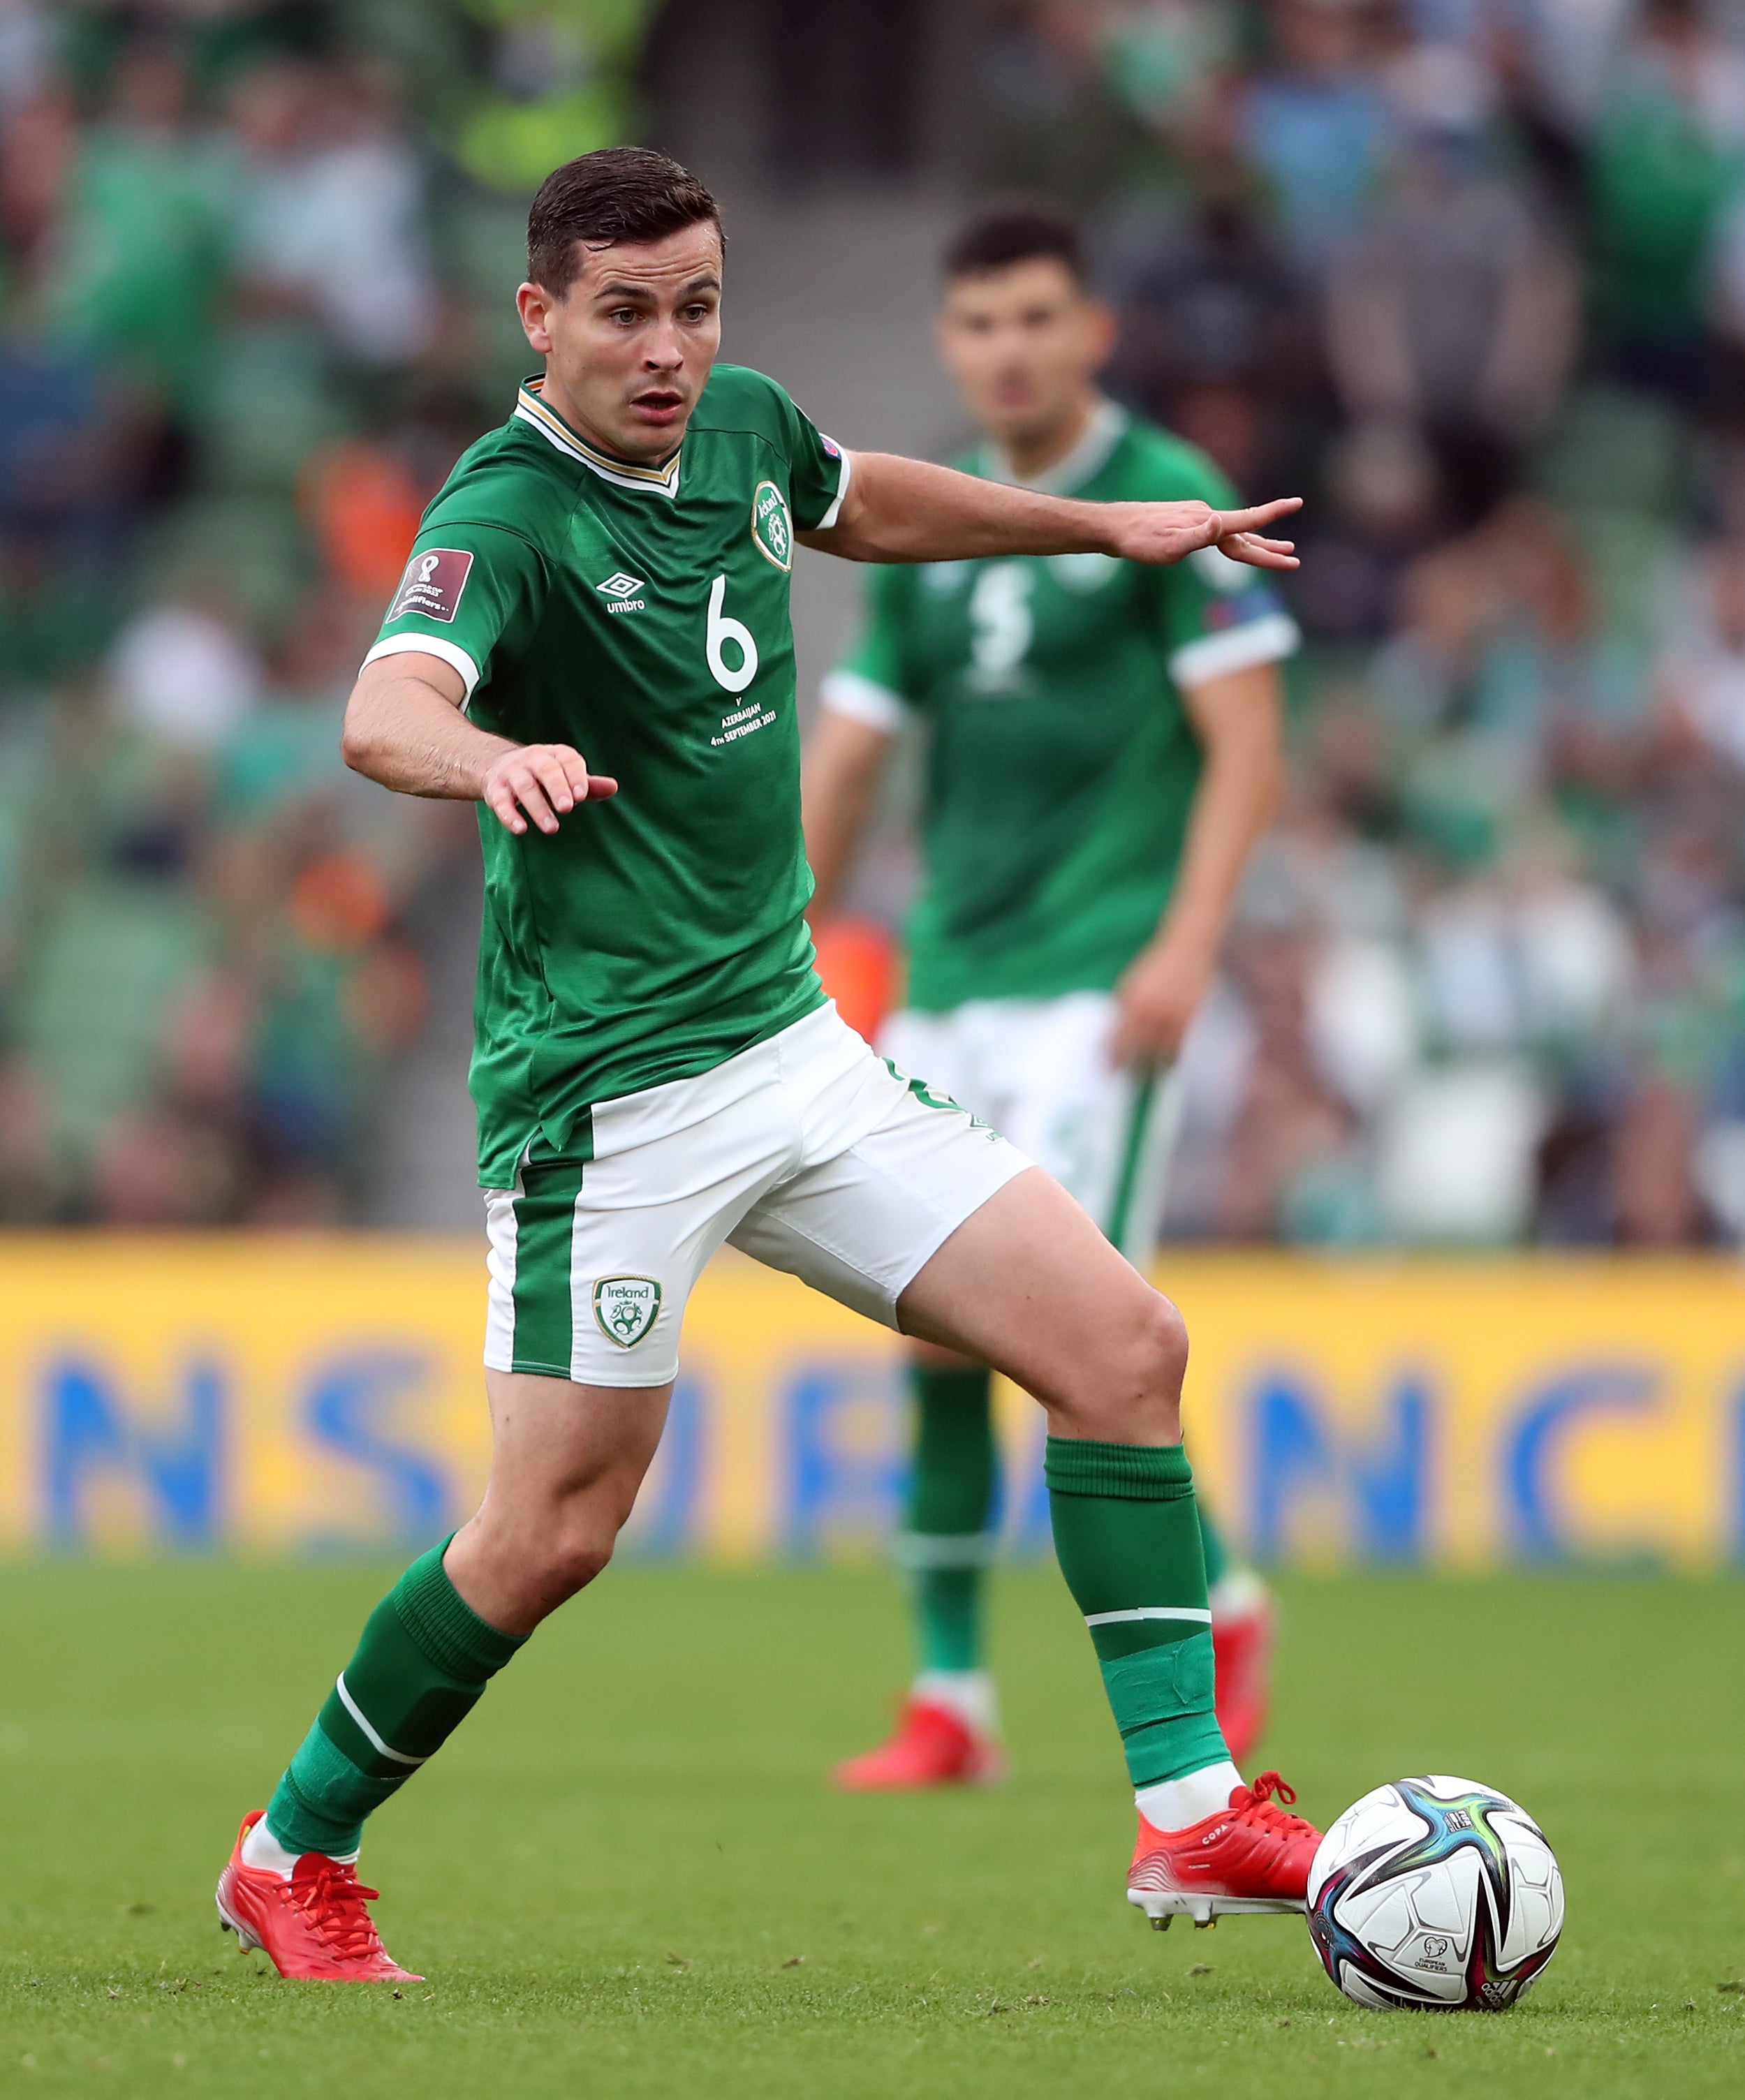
x: 1127, y: 1534
x: 1233, y: 1588
x: 945, y: 1543
x: 1211, y: 1546
x: 424, y: 1658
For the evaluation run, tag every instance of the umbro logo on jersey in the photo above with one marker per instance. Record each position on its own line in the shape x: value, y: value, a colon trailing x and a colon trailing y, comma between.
x: 620, y: 592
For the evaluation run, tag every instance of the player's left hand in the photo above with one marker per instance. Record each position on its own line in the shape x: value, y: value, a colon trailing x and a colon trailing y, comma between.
x: 1162, y: 532
x: 1156, y: 999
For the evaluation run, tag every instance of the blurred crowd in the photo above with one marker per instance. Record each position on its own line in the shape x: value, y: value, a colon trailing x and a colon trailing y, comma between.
x: 230, y: 378
x: 1469, y: 275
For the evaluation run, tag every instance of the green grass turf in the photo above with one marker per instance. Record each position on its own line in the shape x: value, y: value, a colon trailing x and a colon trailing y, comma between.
x: 625, y: 1875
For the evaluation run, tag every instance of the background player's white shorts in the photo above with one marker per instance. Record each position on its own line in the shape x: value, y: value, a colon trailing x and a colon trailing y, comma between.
x: 1039, y: 1070
x: 807, y: 1152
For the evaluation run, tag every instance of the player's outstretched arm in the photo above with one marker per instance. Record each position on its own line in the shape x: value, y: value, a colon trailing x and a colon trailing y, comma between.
x: 906, y: 510
x: 404, y: 728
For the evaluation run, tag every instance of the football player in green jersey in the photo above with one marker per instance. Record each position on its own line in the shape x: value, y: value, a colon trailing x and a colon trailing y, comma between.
x: 657, y: 1070
x: 1104, y: 747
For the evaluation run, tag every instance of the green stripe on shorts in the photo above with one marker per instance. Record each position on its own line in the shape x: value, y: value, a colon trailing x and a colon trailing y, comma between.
x: 545, y: 1237
x: 1120, y: 1211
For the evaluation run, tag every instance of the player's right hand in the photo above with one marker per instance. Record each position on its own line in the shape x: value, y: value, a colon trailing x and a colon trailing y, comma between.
x: 546, y: 781
x: 1163, y: 532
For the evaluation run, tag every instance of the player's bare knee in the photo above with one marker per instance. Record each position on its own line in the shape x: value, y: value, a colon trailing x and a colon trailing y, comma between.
x: 572, y: 1558
x: 1129, y: 1390
x: 1165, y: 1346
x: 1149, y: 1354
x: 1158, y: 1410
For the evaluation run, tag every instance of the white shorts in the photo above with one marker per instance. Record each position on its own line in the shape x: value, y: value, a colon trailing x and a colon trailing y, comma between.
x: 1039, y: 1069
x: 807, y: 1152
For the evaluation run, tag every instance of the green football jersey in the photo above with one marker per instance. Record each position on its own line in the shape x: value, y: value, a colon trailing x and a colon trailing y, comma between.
x: 640, y: 615
x: 1062, y: 767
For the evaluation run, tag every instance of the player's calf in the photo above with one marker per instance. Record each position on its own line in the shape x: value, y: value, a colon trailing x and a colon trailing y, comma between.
x: 1031, y: 1284
x: 566, y: 1465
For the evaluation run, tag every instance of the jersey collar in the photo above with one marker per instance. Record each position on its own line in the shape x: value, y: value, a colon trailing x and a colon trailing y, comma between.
x: 621, y: 473
x: 1085, y: 462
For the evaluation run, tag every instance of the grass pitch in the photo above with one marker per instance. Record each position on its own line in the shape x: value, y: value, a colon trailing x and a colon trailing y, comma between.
x: 625, y: 1875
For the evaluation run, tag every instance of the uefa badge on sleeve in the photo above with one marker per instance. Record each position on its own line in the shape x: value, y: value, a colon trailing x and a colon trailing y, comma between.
x: 625, y: 1308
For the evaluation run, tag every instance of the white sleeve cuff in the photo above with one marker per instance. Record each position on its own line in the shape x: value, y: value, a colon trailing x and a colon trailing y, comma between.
x: 847, y: 693
x: 1267, y: 640
x: 843, y: 478
x: 429, y: 645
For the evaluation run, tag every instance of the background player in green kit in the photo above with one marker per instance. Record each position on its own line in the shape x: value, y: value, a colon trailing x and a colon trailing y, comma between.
x: 656, y: 1070
x: 1104, y: 748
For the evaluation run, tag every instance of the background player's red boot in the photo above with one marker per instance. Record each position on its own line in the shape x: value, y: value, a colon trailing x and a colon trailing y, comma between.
x: 312, y: 1926
x: 1242, y: 1641
x: 932, y: 1747
x: 1249, y: 1857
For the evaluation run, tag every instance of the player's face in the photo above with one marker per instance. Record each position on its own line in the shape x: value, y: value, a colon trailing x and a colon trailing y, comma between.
x: 1023, y: 344
x: 629, y: 347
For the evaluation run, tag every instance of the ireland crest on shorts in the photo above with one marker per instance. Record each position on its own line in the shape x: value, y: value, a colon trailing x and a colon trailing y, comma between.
x: 625, y: 1307
x: 771, y: 526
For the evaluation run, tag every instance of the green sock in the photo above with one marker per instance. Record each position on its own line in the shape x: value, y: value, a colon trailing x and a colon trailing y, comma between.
x: 424, y: 1658
x: 945, y: 1543
x: 1211, y: 1546
x: 1129, y: 1542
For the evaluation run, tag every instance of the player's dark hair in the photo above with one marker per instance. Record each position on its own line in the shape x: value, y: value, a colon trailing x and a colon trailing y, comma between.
x: 1015, y: 230
x: 620, y: 193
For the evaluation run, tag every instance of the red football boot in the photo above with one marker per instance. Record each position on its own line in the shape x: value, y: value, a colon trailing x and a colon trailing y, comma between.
x: 313, y: 1925
x: 1242, y: 1641
x: 932, y: 1746
x: 1249, y: 1857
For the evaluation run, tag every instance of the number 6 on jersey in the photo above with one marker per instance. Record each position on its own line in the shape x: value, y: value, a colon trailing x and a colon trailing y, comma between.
x: 721, y: 630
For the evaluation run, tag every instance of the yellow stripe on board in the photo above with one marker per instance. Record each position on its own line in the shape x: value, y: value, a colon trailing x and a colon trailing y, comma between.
x: 324, y: 1394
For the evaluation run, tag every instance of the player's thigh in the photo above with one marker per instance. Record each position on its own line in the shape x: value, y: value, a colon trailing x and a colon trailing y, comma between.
x: 960, y: 1052
x: 554, y: 1439
x: 921, y: 1217
x: 1028, y: 1284
x: 592, y: 1262
x: 889, y: 1169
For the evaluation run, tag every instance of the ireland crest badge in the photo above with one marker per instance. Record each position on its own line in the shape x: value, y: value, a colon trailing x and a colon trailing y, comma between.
x: 625, y: 1308
x: 771, y: 525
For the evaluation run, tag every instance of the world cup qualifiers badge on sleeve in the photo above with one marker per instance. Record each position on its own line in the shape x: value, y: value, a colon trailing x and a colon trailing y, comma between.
x: 432, y: 584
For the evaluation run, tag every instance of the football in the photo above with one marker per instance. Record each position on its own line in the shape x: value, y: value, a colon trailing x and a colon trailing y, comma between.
x: 1437, y: 1894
